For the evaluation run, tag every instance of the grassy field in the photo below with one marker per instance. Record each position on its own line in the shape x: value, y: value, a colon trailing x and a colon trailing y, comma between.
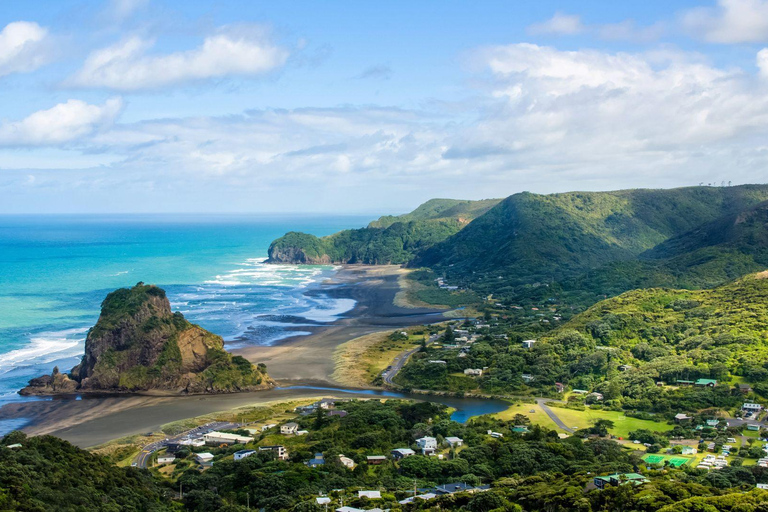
x: 539, y: 417
x: 359, y: 361
x: 623, y: 425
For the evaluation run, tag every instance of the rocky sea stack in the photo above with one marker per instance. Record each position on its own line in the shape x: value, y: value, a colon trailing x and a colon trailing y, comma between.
x: 140, y: 345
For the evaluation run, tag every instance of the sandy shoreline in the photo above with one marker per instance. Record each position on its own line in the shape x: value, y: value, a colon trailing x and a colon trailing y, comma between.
x: 298, y: 360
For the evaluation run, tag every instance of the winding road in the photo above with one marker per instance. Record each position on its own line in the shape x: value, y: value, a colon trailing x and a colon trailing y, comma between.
x: 145, y: 455
x: 397, y: 365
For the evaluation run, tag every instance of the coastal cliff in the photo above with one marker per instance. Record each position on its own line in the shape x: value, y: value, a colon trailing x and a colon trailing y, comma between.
x: 139, y: 344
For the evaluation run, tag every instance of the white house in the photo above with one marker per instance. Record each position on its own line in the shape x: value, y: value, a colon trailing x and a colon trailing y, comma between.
x: 267, y: 427
x: 323, y: 500
x: 427, y: 445
x: 474, y: 372
x: 495, y: 435
x: 166, y: 459
x: 347, y: 462
x: 218, y: 438
x: 528, y: 344
x: 749, y: 407
x: 454, y: 442
x: 280, y: 451
x: 371, y: 495
x: 289, y: 428
x: 243, y: 454
x: 206, y: 459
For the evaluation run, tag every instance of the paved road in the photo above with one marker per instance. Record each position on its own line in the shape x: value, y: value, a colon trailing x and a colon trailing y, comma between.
x: 397, y: 365
x: 542, y: 402
x: 143, y: 458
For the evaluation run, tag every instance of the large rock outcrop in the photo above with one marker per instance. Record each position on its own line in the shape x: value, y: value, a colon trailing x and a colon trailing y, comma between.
x: 139, y: 344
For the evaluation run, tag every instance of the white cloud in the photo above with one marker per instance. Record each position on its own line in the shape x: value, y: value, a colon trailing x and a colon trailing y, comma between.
x: 63, y: 123
x: 128, y: 66
x: 560, y: 24
x: 22, y: 47
x: 762, y: 62
x: 732, y: 21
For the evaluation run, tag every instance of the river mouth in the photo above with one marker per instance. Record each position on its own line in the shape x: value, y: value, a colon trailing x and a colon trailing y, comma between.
x: 465, y: 408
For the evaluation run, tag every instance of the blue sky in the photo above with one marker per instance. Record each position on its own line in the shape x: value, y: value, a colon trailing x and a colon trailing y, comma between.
x: 165, y: 106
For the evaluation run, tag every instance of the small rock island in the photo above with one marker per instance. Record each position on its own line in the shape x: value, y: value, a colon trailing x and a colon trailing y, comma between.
x: 140, y: 345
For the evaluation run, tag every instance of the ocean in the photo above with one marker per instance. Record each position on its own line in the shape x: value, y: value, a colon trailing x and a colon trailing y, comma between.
x: 56, y: 270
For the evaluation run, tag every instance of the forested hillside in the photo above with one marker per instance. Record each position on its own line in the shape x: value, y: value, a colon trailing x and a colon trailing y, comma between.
x: 556, y: 239
x: 661, y: 335
x: 388, y: 240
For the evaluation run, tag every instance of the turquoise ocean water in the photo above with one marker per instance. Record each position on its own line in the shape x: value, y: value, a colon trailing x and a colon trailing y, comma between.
x: 56, y: 270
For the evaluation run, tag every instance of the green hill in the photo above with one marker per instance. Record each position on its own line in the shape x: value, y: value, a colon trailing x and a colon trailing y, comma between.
x: 594, y: 242
x: 46, y: 473
x: 388, y: 240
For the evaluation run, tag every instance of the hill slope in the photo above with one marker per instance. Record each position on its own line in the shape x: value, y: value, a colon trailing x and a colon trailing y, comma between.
x: 139, y: 344
x: 388, y: 240
x: 530, y: 238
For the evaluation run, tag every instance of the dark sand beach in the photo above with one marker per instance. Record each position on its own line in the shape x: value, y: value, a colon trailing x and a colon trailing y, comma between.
x: 299, y: 360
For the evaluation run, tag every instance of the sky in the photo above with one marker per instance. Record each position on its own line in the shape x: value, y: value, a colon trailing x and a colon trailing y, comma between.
x: 123, y: 106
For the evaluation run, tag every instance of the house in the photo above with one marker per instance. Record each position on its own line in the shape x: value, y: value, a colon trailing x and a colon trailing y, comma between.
x: 205, y: 459
x: 762, y: 486
x: 710, y: 383
x: 289, y: 428
x: 452, y: 488
x: 527, y: 377
x: 267, y: 427
x: 302, y: 432
x: 495, y: 435
x: 375, y: 460
x: 14, y: 446
x: 218, y: 438
x: 371, y: 495
x: 689, y: 450
x: 326, y: 403
x: 347, y: 462
x: 401, y: 453
x: 427, y: 445
x: 437, y: 362
x: 753, y: 427
x: 318, y: 460
x: 713, y: 423
x: 684, y: 382
x: 280, y: 452
x: 454, y: 442
x: 625, y: 367
x: 192, y: 442
x: 745, y: 388
x: 595, y: 395
x: 601, y: 482
x: 528, y: 344
x: 559, y: 387
x: 166, y: 459
x: 474, y: 372
x: 680, y: 417
x: 244, y: 454
x: 323, y: 500
x: 580, y: 391
x: 750, y: 407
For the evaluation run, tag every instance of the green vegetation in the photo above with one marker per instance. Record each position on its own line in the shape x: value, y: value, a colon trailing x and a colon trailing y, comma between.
x: 631, y: 350
x: 531, y: 470
x: 46, y: 473
x: 389, y: 240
